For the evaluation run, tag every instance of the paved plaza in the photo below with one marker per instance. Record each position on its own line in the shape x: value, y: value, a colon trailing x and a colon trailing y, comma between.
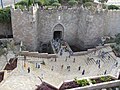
x: 56, y: 71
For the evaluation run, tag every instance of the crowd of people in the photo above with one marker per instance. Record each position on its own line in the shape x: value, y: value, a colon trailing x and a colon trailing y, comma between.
x: 60, y: 45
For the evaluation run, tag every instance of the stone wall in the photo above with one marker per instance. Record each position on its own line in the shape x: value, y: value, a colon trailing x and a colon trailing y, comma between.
x: 80, y: 27
x: 5, y: 30
x: 113, y: 19
x: 24, y: 27
x: 49, y: 19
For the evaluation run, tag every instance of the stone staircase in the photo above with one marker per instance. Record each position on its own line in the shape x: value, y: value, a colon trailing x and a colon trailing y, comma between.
x: 60, y: 46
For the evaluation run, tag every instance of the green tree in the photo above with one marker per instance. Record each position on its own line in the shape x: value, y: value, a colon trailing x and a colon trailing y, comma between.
x: 43, y: 2
x: 103, y: 1
x: 53, y: 1
x: 84, y: 1
x: 88, y: 4
x: 113, y: 7
x: 72, y: 2
x: 56, y: 4
x: 117, y: 39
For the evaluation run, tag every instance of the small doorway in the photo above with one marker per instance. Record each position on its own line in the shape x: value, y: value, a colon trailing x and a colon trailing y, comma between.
x: 57, y: 35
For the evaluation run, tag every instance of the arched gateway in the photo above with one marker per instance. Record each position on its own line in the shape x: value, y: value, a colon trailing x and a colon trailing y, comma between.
x: 58, y: 32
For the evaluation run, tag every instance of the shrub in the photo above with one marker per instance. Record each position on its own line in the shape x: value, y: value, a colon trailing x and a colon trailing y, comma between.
x: 117, y: 39
x: 84, y: 1
x: 23, y: 3
x: 88, y: 4
x: 93, y: 81
x: 113, y: 7
x: 43, y: 62
x: 83, y: 82
x: 56, y: 4
x: 5, y: 15
x: 105, y: 79
x: 72, y: 2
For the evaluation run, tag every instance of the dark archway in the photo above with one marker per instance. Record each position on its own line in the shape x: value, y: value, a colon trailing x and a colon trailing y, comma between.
x: 58, y: 32
x: 57, y: 35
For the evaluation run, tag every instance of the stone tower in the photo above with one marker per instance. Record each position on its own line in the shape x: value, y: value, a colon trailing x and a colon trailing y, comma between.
x: 79, y: 27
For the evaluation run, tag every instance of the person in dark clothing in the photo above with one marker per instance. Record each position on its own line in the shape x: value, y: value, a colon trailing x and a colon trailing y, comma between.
x: 74, y: 60
x: 79, y: 68
x: 28, y: 69
x: 105, y: 72
x: 83, y: 72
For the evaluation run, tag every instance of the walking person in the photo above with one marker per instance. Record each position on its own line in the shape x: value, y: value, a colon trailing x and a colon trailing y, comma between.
x: 66, y: 59
x: 108, y: 57
x: 55, y: 59
x: 99, y: 66
x: 105, y: 72
x: 52, y: 68
x: 61, y: 66
x: 28, y: 69
x: 83, y: 72
x: 74, y: 60
x: 79, y: 68
x: 116, y: 64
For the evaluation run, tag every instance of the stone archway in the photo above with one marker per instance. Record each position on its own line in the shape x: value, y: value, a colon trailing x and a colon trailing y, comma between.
x: 58, y: 31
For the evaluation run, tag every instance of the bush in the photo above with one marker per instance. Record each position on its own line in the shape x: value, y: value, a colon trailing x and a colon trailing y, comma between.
x: 111, y: 7
x: 83, y: 82
x: 5, y: 15
x: 110, y: 40
x: 23, y: 3
x: 103, y: 1
x: 19, y: 6
x: 53, y: 1
x: 72, y: 2
x: 84, y: 1
x: 93, y: 81
x: 117, y: 39
x: 43, y: 62
x: 88, y: 4
x: 56, y: 4
x: 105, y: 79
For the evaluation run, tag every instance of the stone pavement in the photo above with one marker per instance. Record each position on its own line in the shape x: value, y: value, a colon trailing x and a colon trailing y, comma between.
x: 55, y: 72
x: 20, y: 80
x: 59, y: 70
x: 3, y: 60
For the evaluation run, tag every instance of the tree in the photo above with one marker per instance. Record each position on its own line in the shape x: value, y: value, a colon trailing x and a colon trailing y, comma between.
x: 103, y: 1
x: 84, y: 1
x: 113, y: 7
x: 88, y: 4
x: 44, y: 2
x: 72, y: 2
x: 2, y: 3
x: 56, y: 4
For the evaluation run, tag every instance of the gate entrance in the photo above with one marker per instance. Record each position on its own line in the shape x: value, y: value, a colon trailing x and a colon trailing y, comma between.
x: 57, y: 35
x: 58, y: 32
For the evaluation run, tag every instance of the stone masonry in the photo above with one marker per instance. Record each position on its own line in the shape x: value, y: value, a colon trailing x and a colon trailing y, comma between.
x: 79, y: 26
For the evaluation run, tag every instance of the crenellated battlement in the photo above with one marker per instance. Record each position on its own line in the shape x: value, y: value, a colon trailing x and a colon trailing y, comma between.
x: 32, y: 10
x: 36, y: 26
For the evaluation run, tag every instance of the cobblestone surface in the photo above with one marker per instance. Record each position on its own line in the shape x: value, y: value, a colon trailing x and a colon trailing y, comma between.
x: 20, y: 79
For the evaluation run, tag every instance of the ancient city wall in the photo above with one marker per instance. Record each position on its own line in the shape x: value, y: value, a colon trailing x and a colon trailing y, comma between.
x: 80, y: 26
x: 90, y: 27
x: 113, y: 19
x: 5, y: 30
x: 49, y: 19
x: 24, y: 27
